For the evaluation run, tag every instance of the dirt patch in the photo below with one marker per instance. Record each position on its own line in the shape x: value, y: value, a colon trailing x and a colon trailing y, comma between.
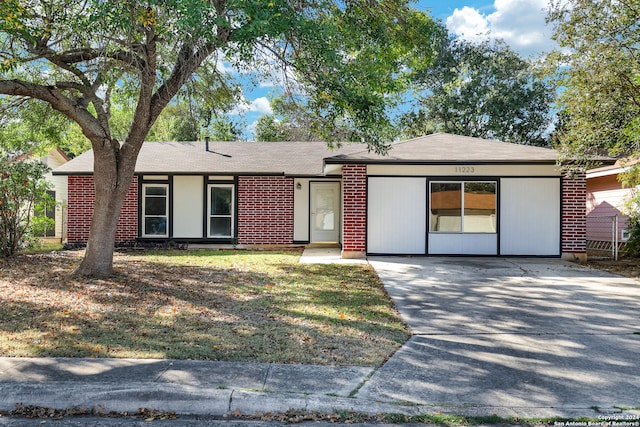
x: 625, y: 266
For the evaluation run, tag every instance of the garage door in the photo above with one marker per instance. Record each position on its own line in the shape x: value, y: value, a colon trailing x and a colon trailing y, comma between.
x: 530, y: 216
x: 396, y: 215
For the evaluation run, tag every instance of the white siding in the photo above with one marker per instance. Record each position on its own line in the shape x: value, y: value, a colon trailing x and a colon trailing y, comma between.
x: 463, y: 244
x: 188, y: 193
x: 301, y: 210
x: 58, y: 183
x: 301, y: 203
x: 530, y: 216
x: 396, y: 215
x: 464, y: 172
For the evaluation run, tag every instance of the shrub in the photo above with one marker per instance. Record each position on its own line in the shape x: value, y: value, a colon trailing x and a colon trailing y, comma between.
x: 23, y: 194
x: 632, y: 247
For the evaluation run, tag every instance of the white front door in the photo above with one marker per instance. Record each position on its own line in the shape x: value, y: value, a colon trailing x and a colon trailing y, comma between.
x: 325, y: 212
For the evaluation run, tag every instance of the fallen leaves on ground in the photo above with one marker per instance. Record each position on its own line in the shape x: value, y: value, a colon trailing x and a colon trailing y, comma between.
x: 212, y: 305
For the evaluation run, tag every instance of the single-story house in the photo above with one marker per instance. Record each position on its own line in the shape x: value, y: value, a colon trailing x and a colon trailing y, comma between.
x: 607, y: 199
x: 439, y: 194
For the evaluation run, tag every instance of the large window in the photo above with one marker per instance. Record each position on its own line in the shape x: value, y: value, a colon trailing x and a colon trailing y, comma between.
x: 220, y: 222
x: 155, y: 210
x: 463, y: 207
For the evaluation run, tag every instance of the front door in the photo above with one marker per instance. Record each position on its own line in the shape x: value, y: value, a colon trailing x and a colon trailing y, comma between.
x: 325, y: 212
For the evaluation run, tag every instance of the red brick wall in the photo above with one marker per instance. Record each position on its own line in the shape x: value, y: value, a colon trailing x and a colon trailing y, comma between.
x: 265, y: 210
x: 574, y: 225
x: 354, y: 202
x: 80, y: 209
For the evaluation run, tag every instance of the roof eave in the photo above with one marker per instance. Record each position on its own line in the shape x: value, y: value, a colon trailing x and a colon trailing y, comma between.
x: 438, y: 162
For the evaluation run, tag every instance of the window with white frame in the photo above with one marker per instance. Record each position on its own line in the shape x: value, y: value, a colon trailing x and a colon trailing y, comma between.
x: 155, y: 210
x: 463, y: 206
x: 221, y: 207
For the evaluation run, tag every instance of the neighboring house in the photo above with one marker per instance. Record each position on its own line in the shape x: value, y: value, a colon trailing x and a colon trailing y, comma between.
x: 54, y: 158
x: 606, y: 199
x: 439, y: 194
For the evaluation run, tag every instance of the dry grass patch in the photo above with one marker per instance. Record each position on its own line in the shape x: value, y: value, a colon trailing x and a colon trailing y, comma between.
x: 215, y: 305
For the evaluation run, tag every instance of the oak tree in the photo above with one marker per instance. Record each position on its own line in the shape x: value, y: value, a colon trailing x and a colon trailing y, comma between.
x: 347, y: 58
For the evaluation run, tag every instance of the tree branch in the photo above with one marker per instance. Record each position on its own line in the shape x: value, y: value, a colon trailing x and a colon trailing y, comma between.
x: 58, y: 101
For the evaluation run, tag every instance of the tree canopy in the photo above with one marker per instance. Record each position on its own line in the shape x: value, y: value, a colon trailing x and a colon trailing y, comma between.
x: 599, y: 76
x: 348, y: 59
x: 294, y: 121
x: 483, y: 90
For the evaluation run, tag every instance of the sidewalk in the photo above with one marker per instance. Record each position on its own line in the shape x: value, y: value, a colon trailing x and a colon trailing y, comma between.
x: 181, y: 386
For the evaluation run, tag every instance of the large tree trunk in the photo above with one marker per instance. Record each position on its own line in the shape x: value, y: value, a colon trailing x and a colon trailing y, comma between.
x: 111, y: 179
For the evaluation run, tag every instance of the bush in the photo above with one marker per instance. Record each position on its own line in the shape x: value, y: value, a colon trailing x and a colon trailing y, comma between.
x: 632, y: 247
x: 23, y: 194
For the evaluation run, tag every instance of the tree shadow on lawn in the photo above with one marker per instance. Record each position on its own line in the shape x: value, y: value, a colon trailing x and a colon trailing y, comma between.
x: 290, y: 313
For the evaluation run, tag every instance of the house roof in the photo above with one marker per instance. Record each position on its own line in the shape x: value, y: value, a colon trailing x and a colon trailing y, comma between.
x: 306, y: 158
x: 240, y: 157
x: 448, y: 148
x: 619, y: 166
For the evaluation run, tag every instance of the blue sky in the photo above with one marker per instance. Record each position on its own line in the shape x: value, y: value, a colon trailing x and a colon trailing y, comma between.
x: 520, y: 23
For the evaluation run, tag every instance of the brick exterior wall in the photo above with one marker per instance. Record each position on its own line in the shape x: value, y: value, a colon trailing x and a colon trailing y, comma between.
x: 265, y: 210
x: 80, y: 210
x: 574, y: 223
x: 354, y: 206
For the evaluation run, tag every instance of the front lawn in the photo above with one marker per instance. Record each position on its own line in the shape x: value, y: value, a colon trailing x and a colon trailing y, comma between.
x: 216, y: 305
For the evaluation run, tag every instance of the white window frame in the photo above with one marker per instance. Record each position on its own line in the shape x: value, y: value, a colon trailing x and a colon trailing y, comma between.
x: 462, y: 215
x: 231, y: 215
x: 144, y: 210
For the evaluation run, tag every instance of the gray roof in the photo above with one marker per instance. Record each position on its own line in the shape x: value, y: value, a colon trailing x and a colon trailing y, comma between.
x: 232, y: 158
x: 307, y: 158
x: 448, y: 148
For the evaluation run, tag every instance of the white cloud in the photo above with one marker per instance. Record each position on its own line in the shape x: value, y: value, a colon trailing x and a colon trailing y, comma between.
x: 468, y: 23
x: 261, y: 105
x: 520, y: 23
x: 258, y: 105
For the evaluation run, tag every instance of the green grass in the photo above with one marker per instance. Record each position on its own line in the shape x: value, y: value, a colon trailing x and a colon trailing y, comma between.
x: 215, y: 305
x: 42, y: 247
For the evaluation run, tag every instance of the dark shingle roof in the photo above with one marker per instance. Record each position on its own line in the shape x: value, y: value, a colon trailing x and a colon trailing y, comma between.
x: 306, y: 158
x: 448, y: 148
x: 289, y: 158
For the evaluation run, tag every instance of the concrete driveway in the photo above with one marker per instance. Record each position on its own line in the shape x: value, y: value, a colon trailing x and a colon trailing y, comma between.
x: 526, y: 337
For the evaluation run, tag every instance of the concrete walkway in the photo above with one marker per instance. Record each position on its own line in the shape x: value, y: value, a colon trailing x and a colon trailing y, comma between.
x: 326, y: 255
x: 527, y: 338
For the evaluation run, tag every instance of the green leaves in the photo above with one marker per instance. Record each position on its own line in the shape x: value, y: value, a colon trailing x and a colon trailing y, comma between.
x: 350, y: 61
x: 484, y: 90
x: 22, y: 188
x: 357, y: 71
x: 597, y: 71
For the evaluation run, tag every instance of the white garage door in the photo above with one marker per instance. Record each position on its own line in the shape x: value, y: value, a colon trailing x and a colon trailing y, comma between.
x: 530, y: 216
x: 396, y: 215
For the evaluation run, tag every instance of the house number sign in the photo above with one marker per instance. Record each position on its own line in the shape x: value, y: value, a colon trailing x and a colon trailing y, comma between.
x: 465, y: 169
